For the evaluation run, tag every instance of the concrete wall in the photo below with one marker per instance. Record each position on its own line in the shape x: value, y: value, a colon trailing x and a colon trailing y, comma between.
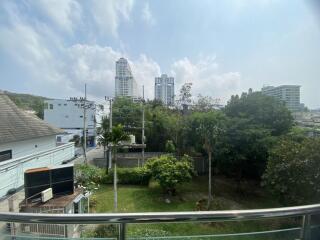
x: 12, y: 171
x: 31, y: 146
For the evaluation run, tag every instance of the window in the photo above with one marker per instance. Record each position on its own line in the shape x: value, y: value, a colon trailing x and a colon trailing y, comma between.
x: 59, y: 104
x: 45, y: 105
x: 65, y: 104
x: 5, y: 155
x: 51, y: 106
x: 81, y: 116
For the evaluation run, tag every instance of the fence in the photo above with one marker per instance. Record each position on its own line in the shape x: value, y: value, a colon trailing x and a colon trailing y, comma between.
x: 307, y: 230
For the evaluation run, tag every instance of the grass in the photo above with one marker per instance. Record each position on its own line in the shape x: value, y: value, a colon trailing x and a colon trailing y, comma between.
x: 226, y: 196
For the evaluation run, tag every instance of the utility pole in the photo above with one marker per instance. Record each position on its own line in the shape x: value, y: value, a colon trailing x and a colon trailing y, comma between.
x: 85, y: 125
x: 142, y: 125
x: 110, y: 99
x: 82, y: 102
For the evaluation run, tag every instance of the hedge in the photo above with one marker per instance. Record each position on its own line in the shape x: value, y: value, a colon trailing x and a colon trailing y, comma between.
x: 135, y: 176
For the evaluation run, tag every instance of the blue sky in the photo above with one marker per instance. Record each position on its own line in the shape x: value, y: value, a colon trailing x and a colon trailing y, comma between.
x: 224, y: 47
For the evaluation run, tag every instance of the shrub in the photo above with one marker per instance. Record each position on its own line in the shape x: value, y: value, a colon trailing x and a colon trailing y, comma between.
x: 135, y: 176
x: 88, y: 176
x: 170, y: 148
x: 102, y: 231
x: 106, y: 230
x: 169, y: 172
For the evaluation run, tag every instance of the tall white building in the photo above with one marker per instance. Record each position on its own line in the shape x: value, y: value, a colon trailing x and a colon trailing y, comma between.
x: 164, y: 89
x: 289, y: 94
x: 125, y: 84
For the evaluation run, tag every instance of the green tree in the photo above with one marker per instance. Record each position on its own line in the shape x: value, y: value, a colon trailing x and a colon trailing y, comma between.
x: 128, y: 114
x: 169, y: 172
x: 262, y: 110
x: 105, y: 138
x: 157, y: 128
x: 210, y: 126
x: 184, y: 99
x: 243, y: 149
x: 204, y: 103
x: 293, y: 169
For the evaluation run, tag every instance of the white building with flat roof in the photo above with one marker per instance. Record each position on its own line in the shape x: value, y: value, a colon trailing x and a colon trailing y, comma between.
x: 164, y: 89
x: 125, y: 84
x: 289, y: 94
x: 68, y: 115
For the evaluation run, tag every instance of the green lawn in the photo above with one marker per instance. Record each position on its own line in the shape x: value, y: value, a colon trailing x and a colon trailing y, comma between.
x: 226, y: 196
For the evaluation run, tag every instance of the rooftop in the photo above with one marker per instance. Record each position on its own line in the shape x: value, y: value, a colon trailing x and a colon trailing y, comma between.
x: 18, y: 125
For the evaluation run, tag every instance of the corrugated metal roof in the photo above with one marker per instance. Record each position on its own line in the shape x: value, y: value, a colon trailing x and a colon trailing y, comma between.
x: 18, y: 125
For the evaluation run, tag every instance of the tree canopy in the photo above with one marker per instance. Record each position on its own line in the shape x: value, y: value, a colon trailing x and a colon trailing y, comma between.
x: 293, y: 171
x: 261, y: 110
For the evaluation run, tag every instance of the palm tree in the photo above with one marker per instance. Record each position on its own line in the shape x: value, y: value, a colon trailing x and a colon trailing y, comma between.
x: 105, y: 138
x: 117, y: 136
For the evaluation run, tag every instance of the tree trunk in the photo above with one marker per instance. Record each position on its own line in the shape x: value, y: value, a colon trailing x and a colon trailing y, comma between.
x: 105, y: 158
x: 115, y: 182
x: 210, y: 181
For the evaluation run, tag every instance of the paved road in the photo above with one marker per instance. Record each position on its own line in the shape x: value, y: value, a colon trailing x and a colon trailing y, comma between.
x: 92, y: 153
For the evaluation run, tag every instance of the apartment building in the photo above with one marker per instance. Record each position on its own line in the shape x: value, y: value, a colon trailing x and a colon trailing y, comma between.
x: 289, y: 94
x: 125, y: 84
x: 164, y: 89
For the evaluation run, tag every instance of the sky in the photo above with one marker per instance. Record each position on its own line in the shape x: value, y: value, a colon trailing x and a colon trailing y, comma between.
x: 223, y: 47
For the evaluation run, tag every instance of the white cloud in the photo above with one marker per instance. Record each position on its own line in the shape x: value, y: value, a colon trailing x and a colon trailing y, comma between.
x: 32, y: 49
x: 145, y: 70
x: 94, y: 65
x: 65, y: 14
x: 108, y: 14
x: 206, y: 78
x: 147, y: 15
x: 57, y: 70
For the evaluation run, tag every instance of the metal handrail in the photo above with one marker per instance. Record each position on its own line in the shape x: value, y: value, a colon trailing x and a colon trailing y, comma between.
x: 152, y: 217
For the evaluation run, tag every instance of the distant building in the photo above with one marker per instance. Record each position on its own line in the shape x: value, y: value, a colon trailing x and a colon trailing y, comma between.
x: 164, y: 89
x: 289, y: 94
x: 26, y: 142
x: 125, y: 84
x: 68, y: 115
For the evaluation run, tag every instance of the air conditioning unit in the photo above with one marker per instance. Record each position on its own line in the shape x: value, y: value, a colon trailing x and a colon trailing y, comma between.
x: 46, y: 195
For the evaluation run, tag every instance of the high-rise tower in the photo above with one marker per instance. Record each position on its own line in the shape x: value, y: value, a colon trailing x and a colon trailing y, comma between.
x: 164, y: 89
x: 125, y: 84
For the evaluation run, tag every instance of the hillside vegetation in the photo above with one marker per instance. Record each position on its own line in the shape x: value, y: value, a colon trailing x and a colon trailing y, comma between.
x: 28, y: 102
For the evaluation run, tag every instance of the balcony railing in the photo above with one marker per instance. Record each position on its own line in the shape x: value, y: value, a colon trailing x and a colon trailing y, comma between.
x: 308, y: 229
